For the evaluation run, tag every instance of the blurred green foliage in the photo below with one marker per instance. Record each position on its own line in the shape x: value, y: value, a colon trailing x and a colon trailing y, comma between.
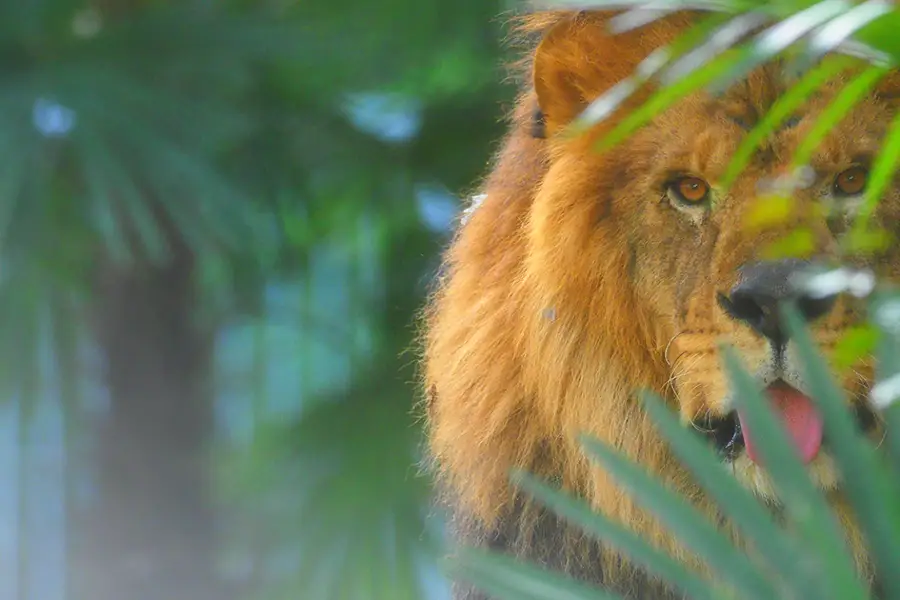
x: 232, y: 145
x: 354, y: 506
x: 338, y: 489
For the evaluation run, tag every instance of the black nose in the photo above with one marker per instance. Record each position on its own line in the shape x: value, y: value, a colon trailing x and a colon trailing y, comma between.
x: 762, y: 287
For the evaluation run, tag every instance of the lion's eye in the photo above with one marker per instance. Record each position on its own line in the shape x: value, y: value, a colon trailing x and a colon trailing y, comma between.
x: 851, y: 182
x: 691, y: 191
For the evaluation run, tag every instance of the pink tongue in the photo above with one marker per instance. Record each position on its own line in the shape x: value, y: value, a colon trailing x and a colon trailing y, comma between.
x: 800, y: 418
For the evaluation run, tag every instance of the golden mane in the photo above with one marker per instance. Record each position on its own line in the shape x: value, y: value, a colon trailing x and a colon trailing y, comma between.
x: 505, y: 365
x: 512, y: 370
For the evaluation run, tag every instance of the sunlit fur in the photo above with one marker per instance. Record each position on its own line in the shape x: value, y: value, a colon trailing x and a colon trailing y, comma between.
x: 577, y: 282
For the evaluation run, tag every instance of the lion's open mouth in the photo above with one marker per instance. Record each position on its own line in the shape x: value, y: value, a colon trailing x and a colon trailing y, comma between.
x: 798, y: 414
x: 802, y: 421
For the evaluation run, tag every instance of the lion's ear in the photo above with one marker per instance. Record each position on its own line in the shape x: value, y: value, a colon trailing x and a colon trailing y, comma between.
x: 559, y: 95
x: 578, y: 59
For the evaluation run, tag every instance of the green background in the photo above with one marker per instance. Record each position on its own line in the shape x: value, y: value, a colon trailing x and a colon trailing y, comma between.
x: 218, y: 221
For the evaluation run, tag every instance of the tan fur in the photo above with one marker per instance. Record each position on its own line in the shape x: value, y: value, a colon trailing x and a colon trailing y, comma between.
x: 573, y: 285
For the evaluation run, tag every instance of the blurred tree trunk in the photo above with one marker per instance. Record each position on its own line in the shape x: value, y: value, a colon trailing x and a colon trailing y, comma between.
x: 150, y: 533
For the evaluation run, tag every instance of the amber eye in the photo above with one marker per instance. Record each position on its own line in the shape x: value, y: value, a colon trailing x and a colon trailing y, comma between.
x: 851, y: 182
x: 689, y: 190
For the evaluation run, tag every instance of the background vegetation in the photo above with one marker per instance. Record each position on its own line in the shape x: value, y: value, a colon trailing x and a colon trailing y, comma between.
x: 217, y: 221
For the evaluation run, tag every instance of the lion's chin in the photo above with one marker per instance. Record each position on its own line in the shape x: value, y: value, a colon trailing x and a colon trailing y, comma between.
x: 822, y: 471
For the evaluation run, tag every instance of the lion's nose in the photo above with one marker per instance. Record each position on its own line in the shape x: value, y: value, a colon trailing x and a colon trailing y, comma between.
x: 762, y: 287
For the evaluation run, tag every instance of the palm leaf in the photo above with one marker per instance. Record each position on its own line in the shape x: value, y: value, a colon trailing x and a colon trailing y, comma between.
x: 804, y: 505
x: 692, y: 527
x: 626, y: 541
x: 772, y: 543
x: 780, y: 111
x: 505, y: 578
x: 845, y: 100
x: 870, y: 488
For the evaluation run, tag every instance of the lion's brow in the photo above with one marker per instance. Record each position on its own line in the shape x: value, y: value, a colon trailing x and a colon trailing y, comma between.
x: 747, y: 120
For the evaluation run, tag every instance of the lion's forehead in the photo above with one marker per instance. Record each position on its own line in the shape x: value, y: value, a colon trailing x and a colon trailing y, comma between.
x: 701, y: 134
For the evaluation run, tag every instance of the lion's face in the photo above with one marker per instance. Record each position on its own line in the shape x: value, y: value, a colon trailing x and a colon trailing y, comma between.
x: 701, y: 274
x: 708, y: 275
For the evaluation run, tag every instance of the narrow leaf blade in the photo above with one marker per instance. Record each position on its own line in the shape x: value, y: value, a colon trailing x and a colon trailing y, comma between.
x: 626, y: 541
x: 781, y: 110
x: 781, y: 551
x: 843, y: 103
x: 505, y: 578
x: 880, y: 176
x: 868, y: 486
x: 803, y: 503
x: 692, y: 527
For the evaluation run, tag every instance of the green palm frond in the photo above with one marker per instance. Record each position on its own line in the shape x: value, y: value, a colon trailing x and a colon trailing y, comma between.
x: 507, y: 579
x: 131, y: 117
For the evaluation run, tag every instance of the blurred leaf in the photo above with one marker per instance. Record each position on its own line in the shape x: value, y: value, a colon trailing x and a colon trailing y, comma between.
x: 884, y: 309
x: 828, y: 37
x: 663, y: 99
x: 778, y: 38
x: 880, y: 176
x: 872, y: 492
x: 848, y: 96
x: 783, y: 108
x: 691, y: 527
x: 114, y: 194
x: 720, y: 32
x: 769, y: 210
x: 671, y: 60
x: 508, y: 579
x: 873, y: 241
x: 803, y: 504
x: 617, y: 535
x: 857, y: 343
x: 14, y: 179
x: 799, y: 243
x: 344, y: 475
x: 880, y: 40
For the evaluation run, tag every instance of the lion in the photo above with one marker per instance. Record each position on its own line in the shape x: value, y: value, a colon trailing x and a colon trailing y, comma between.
x: 585, y: 276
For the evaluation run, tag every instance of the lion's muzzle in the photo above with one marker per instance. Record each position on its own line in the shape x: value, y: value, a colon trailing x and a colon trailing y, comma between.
x: 762, y: 287
x: 754, y: 302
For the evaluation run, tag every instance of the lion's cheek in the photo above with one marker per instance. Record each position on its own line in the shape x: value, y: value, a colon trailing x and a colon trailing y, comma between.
x: 578, y: 218
x: 699, y: 380
x: 698, y: 391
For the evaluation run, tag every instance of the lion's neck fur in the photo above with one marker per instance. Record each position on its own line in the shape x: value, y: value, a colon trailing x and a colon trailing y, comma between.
x: 512, y: 379
x: 493, y: 406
